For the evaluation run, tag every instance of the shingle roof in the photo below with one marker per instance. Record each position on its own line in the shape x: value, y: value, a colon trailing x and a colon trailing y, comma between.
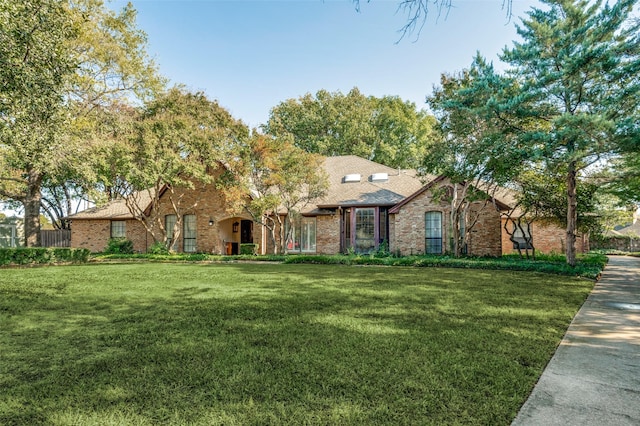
x: 365, y: 191
x: 116, y: 209
x: 632, y: 230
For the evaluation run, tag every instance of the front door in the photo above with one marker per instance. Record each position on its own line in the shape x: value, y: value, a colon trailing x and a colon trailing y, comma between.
x: 246, y: 231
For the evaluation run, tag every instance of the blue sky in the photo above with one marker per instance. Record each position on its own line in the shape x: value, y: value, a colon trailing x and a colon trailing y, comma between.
x: 252, y: 55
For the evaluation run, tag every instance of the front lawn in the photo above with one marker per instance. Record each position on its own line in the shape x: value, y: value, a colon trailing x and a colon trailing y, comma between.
x: 243, y: 344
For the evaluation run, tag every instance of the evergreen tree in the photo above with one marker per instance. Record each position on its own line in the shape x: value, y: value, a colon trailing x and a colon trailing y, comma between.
x: 577, y: 68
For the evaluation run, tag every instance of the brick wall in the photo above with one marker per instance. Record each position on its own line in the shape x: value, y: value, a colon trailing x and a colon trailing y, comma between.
x: 205, y: 202
x: 328, y: 234
x: 547, y: 238
x: 95, y: 234
x: 408, y: 228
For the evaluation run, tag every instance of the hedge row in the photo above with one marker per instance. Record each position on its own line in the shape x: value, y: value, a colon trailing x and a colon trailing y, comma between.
x: 588, y: 266
x: 42, y: 255
x: 186, y: 257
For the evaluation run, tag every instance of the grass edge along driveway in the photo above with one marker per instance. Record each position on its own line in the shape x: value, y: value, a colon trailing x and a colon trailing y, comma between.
x: 242, y: 344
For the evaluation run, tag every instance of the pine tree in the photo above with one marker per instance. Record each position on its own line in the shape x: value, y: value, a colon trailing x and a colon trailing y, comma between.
x: 577, y: 68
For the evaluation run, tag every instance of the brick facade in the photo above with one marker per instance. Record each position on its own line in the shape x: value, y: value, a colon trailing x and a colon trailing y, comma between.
x: 206, y: 203
x: 547, y: 237
x: 399, y: 193
x: 94, y: 234
x: 408, y: 228
x: 328, y: 234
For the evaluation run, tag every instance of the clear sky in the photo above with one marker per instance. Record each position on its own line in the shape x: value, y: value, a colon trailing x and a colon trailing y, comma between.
x: 252, y: 55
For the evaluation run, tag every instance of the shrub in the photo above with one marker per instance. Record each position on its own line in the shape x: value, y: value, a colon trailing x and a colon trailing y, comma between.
x: 119, y: 246
x: 41, y: 255
x: 248, y: 248
x: 158, y: 248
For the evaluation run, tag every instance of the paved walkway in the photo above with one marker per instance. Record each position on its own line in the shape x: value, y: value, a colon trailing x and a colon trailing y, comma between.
x: 594, y: 376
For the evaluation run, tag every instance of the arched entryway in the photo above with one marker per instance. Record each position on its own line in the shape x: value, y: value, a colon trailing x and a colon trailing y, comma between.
x: 236, y: 231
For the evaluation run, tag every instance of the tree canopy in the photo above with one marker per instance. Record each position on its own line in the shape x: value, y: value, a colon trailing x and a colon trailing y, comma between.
x: 178, y: 140
x: 283, y: 179
x: 569, y: 99
x: 60, y: 61
x: 387, y: 130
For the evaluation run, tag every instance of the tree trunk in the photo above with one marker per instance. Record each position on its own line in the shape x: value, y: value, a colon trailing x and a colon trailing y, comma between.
x: 572, y: 214
x: 31, y: 203
x: 454, y: 219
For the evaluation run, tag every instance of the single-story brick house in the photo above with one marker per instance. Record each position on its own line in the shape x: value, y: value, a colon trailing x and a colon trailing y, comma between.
x: 367, y: 205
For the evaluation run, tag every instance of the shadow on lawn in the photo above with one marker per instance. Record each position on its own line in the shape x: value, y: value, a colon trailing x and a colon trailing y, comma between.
x: 301, y: 345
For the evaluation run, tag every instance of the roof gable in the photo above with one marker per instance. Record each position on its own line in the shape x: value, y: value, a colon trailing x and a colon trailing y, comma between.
x: 501, y: 205
x: 116, y: 209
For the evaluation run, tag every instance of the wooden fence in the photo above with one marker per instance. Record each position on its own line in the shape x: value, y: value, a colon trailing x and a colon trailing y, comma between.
x: 55, y: 238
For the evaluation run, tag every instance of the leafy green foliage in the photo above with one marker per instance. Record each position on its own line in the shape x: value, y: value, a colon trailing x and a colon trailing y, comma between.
x: 61, y: 63
x: 248, y: 248
x: 41, y: 255
x: 544, y: 196
x: 386, y: 130
x: 275, y: 344
x: 119, y: 246
x: 588, y: 266
x: 577, y: 69
x: 179, y: 141
x: 35, y: 64
x: 158, y: 248
x: 283, y: 179
x: 569, y: 99
x: 623, y: 178
x: 184, y: 257
x: 476, y: 145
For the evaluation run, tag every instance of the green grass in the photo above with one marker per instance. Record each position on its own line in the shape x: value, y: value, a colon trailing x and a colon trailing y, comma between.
x: 256, y: 344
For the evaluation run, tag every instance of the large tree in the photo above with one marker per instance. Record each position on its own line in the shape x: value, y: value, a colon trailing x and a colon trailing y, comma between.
x: 577, y: 68
x: 387, y: 130
x: 568, y: 101
x: 476, y: 150
x: 35, y: 64
x: 282, y: 179
x: 622, y: 179
x: 60, y: 61
x: 180, y: 140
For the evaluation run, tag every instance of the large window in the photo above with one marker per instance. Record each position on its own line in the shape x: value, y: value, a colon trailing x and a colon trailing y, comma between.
x: 189, y: 231
x: 365, y: 230
x: 433, y: 234
x: 522, y: 237
x: 302, y: 236
x: 118, y: 229
x: 169, y: 226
